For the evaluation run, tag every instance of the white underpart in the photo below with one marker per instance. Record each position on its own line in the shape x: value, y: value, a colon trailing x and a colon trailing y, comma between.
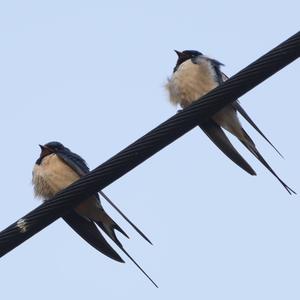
x: 191, y: 81
x: 51, y: 176
x: 54, y: 175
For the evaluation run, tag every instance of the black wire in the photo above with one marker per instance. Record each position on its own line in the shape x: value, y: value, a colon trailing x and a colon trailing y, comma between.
x: 152, y: 142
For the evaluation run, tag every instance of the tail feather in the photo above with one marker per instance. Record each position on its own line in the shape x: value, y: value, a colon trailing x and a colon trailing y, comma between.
x: 117, y: 227
x: 252, y: 148
x: 90, y: 233
x: 138, y: 266
x: 123, y: 215
x: 219, y: 138
x: 239, y: 108
x: 108, y: 226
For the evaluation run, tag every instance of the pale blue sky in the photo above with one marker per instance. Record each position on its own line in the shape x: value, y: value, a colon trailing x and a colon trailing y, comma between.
x: 91, y: 74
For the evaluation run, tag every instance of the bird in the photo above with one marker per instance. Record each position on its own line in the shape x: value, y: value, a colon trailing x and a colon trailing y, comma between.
x: 56, y: 168
x: 194, y: 75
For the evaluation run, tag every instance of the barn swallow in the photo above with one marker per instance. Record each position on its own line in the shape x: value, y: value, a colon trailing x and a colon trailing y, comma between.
x: 55, y: 169
x: 193, y: 76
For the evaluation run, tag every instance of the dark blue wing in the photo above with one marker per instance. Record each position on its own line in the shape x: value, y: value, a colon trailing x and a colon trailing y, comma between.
x: 78, y: 164
x: 217, y: 68
x: 74, y: 161
x: 215, y: 64
x: 219, y: 138
x: 84, y: 227
x: 90, y: 233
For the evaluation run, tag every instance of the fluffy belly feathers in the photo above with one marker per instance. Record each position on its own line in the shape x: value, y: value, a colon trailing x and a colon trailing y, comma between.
x: 190, y: 82
x: 51, y: 176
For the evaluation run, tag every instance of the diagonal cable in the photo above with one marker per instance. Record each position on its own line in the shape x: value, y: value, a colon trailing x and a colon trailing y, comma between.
x: 149, y: 144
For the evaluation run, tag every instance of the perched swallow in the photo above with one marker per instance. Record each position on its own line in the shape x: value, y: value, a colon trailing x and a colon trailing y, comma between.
x: 193, y: 76
x: 58, y: 167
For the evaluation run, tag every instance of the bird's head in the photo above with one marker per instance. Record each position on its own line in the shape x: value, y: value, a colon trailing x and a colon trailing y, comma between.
x: 50, y: 148
x: 184, y: 56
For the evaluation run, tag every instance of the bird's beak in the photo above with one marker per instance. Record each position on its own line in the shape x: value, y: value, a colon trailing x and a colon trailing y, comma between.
x: 178, y: 53
x: 45, y: 151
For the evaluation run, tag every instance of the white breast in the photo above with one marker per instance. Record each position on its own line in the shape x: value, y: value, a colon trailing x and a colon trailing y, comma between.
x: 191, y: 81
x: 51, y: 176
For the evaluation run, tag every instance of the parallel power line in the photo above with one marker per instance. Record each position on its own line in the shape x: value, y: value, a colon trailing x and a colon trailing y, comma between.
x: 149, y: 144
